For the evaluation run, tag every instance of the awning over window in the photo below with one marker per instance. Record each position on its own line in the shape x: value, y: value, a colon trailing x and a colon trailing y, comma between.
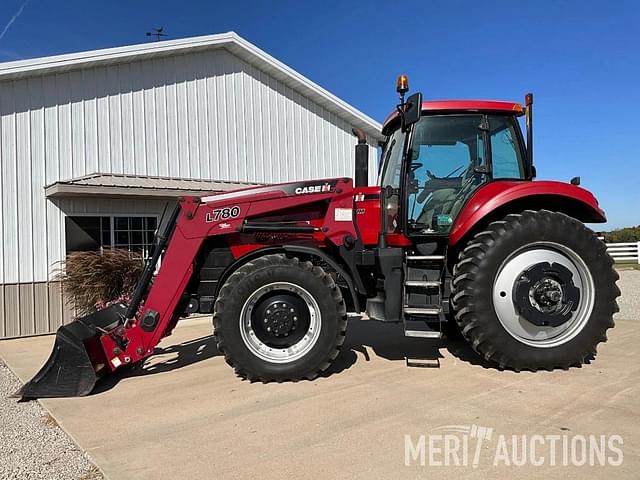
x: 109, y: 185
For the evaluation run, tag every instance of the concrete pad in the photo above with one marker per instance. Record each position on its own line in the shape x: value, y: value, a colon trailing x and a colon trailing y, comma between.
x: 185, y: 414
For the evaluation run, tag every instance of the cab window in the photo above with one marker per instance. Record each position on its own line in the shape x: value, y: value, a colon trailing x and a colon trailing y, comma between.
x: 446, y: 153
x: 505, y: 148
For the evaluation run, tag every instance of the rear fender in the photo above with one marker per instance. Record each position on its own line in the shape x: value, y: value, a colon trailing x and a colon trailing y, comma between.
x: 497, y: 199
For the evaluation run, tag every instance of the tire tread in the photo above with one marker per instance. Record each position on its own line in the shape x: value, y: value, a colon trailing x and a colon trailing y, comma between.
x: 473, y: 322
x: 270, y: 261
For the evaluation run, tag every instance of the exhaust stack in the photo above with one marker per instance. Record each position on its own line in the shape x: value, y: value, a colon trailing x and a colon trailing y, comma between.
x: 528, y: 102
x: 362, y: 159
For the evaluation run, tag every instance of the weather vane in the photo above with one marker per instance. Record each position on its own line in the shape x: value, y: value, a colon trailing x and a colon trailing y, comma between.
x: 157, y: 32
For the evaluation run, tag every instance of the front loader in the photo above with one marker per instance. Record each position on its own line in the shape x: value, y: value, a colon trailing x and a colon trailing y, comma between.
x: 457, y: 236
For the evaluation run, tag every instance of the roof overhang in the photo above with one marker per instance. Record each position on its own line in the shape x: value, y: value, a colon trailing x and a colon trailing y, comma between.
x: 230, y: 41
x: 118, y: 185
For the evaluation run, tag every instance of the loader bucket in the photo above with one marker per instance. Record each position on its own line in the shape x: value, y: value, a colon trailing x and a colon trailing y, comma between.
x: 77, y: 359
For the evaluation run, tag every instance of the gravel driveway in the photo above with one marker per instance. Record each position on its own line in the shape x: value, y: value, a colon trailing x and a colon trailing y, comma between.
x: 32, y: 446
x: 629, y: 302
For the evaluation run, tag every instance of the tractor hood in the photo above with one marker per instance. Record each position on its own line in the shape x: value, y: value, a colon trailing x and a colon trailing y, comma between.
x: 307, y: 187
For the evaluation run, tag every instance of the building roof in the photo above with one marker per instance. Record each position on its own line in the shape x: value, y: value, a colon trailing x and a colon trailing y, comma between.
x: 230, y: 41
x: 434, y: 106
x: 108, y: 184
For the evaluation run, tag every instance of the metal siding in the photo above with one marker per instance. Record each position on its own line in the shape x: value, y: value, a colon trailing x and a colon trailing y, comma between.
x: 54, y: 291
x: 89, y: 124
x: 191, y: 112
x: 159, y: 104
x: 12, y: 310
x: 201, y: 93
x: 68, y: 315
x: 103, y: 157
x: 51, y: 136
x: 4, y: 143
x: 114, y: 163
x: 172, y: 117
x: 275, y: 120
x: 37, y: 177
x: 77, y: 140
x: 41, y: 307
x: 23, y: 173
x: 9, y: 250
x: 54, y: 236
x: 26, y: 312
x: 65, y: 169
x: 205, y: 114
x: 3, y: 318
x: 230, y: 150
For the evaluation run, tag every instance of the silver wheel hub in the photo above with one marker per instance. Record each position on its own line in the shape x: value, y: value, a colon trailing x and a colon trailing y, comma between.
x: 546, y: 295
x: 280, y: 322
x: 543, y: 294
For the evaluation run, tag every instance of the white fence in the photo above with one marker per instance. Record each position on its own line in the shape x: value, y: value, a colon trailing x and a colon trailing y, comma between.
x: 624, y: 251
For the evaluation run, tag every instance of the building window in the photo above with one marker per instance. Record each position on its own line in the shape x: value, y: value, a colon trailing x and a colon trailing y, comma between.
x: 85, y: 233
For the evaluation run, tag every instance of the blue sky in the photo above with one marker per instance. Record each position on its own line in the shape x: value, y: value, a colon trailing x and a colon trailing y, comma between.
x: 580, y: 58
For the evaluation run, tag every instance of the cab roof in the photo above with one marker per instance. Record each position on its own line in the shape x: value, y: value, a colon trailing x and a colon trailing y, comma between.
x: 459, y: 106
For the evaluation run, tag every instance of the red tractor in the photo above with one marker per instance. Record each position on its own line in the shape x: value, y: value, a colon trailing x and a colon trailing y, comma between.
x: 456, y: 236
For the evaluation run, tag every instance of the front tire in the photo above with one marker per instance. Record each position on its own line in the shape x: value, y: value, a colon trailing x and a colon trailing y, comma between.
x: 279, y: 318
x: 535, y: 290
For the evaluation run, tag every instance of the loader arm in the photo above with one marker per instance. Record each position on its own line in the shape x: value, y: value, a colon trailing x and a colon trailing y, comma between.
x: 204, y: 217
x: 126, y: 334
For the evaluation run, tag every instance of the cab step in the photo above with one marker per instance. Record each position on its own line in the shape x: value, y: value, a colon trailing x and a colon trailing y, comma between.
x: 425, y: 258
x: 422, y: 283
x: 424, y: 276
x: 422, y: 334
x: 422, y: 329
x: 422, y: 363
x: 436, y: 310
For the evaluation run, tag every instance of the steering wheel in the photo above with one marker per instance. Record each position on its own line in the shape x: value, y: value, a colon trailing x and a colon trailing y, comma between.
x: 449, y: 175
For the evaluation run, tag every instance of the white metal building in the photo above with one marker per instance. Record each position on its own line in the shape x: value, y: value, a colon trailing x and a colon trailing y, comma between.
x: 94, y: 144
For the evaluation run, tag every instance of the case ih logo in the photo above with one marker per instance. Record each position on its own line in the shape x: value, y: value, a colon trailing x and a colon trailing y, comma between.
x: 313, y: 189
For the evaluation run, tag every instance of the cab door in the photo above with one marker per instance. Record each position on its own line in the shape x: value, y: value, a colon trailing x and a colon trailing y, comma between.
x: 451, y: 156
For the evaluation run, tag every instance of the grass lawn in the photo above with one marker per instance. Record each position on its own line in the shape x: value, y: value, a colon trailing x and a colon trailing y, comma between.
x: 628, y: 266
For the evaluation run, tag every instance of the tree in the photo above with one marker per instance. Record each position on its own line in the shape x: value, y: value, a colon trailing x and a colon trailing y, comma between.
x: 627, y: 234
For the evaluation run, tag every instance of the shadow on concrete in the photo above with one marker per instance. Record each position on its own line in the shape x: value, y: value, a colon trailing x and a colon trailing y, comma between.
x: 178, y: 356
x: 385, y: 339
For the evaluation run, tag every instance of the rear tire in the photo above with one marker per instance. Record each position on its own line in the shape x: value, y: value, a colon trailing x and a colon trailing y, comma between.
x: 279, y: 318
x: 535, y: 290
x: 451, y: 329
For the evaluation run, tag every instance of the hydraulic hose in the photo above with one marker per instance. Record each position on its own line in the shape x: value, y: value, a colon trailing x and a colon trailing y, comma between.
x: 159, y: 243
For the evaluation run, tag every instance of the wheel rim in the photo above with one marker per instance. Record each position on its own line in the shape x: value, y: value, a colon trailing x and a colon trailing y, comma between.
x: 280, y: 322
x: 565, y: 305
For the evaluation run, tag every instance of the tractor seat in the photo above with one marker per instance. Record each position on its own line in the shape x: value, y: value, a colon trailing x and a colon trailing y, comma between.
x: 449, y: 201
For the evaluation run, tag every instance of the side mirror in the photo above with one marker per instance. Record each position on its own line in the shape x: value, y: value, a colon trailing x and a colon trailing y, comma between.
x: 410, y: 110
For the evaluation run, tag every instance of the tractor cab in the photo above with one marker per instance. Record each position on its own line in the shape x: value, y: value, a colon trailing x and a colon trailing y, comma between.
x: 436, y: 158
x: 437, y: 155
